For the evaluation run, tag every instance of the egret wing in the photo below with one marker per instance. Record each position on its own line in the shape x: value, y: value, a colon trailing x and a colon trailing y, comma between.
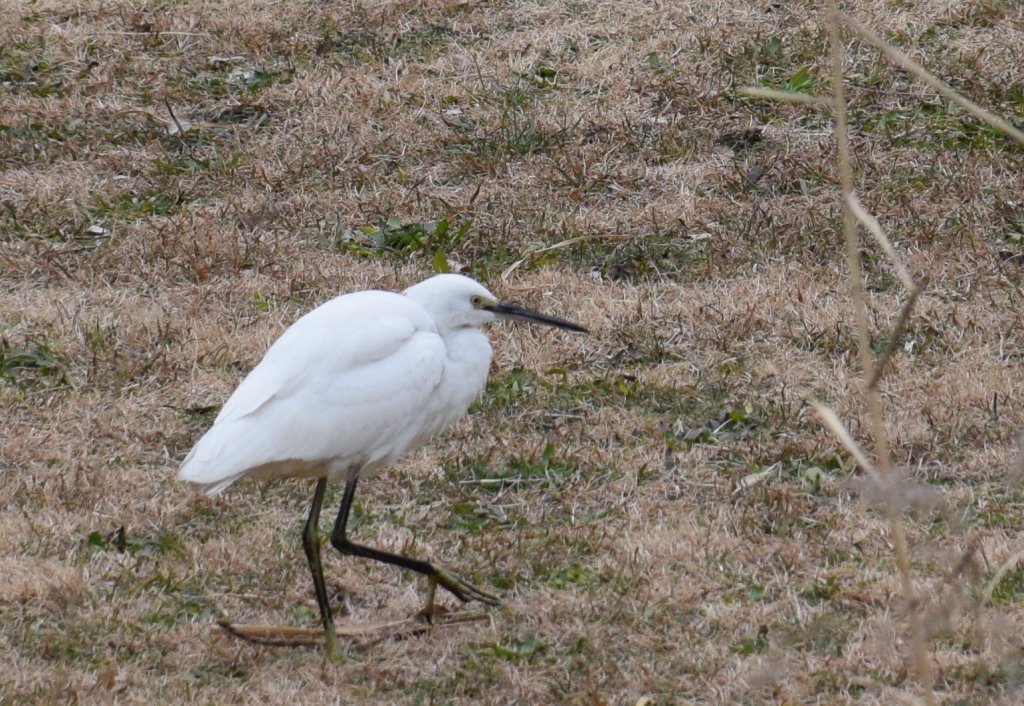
x: 348, y: 386
x: 332, y: 339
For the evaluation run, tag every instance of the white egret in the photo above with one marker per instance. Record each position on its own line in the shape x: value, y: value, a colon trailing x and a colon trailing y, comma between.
x: 345, y: 391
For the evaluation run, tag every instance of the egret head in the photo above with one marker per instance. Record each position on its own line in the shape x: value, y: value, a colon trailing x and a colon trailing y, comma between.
x: 458, y: 302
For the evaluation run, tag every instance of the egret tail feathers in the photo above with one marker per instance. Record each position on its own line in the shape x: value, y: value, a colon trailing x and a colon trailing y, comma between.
x: 206, y: 466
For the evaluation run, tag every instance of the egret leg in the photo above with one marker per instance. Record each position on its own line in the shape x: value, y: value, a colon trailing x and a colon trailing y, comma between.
x: 311, y: 543
x: 436, y: 576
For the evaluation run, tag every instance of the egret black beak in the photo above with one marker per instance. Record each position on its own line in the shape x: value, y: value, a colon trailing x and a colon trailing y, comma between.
x: 511, y: 311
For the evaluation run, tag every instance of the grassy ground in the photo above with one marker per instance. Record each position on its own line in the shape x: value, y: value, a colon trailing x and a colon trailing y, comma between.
x: 182, y: 180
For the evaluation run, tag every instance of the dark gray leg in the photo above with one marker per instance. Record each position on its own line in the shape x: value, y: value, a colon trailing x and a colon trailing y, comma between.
x: 437, y: 576
x: 311, y: 543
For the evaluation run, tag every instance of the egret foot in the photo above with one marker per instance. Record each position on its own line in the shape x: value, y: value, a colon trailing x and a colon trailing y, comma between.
x: 331, y: 647
x: 459, y: 588
x: 455, y: 585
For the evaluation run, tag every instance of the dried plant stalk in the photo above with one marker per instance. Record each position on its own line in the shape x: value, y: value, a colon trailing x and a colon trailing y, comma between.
x: 894, y: 338
x: 871, y: 223
x: 879, y: 432
x: 910, y: 66
x: 832, y: 421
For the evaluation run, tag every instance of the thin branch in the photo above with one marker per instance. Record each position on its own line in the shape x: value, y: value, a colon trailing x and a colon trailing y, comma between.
x: 869, y: 222
x: 831, y: 420
x: 167, y: 103
x: 911, y: 66
x: 896, y: 335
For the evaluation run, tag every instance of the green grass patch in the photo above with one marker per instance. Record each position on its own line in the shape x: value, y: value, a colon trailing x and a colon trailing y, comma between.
x: 391, y: 236
x: 539, y: 472
x: 33, y: 365
x: 520, y: 388
x: 1010, y: 588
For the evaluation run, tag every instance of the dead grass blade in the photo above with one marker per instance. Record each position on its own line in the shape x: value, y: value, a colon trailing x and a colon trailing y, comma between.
x: 786, y: 96
x: 558, y: 246
x: 749, y: 481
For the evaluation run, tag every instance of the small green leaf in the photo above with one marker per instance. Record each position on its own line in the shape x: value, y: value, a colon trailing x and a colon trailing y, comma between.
x: 441, y: 262
x: 520, y: 648
x: 260, y: 302
x: 260, y: 79
x: 802, y: 81
x: 814, y: 476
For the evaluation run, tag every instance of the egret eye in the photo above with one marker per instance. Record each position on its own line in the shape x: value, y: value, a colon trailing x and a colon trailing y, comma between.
x: 477, y: 301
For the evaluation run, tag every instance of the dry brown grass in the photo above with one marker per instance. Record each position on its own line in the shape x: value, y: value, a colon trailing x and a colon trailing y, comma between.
x: 632, y: 560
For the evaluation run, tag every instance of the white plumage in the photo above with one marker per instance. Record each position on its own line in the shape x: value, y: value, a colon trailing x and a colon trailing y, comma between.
x: 356, y: 382
x: 348, y: 389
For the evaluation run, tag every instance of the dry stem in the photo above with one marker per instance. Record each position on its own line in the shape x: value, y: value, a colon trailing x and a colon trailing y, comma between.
x: 909, y: 65
x: 879, y: 431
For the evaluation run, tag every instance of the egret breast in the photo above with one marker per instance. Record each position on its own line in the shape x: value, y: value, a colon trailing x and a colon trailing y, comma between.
x: 465, y: 371
x: 464, y: 378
